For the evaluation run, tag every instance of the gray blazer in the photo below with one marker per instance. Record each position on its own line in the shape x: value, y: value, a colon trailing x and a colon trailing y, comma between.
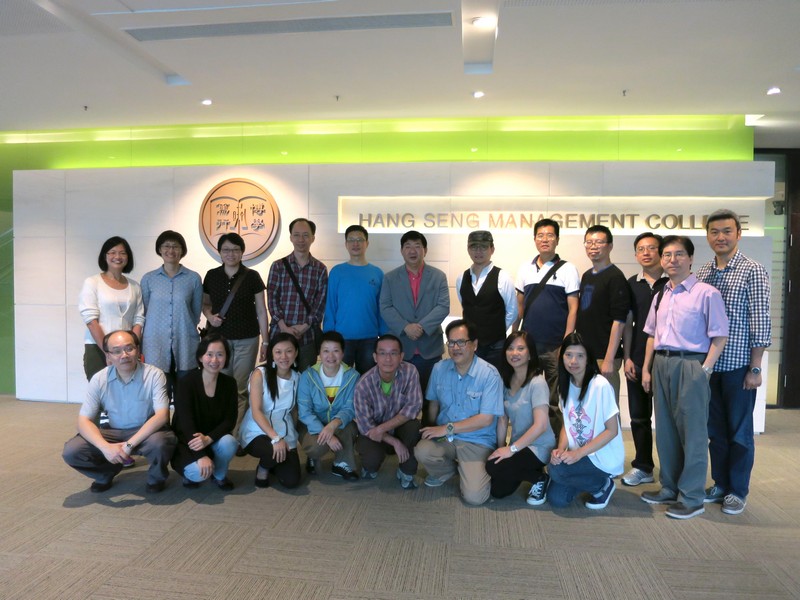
x: 433, y: 306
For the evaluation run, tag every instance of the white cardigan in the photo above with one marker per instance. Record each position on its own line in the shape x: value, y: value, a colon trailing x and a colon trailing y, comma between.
x: 113, y: 309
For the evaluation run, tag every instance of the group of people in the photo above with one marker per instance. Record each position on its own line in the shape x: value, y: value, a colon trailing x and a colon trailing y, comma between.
x: 352, y: 362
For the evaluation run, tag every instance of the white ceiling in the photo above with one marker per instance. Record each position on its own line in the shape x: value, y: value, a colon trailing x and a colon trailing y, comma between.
x: 73, y: 63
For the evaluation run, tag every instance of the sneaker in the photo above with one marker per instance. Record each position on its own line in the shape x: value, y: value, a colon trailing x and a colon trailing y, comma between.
x: 406, y: 481
x: 714, y: 495
x: 680, y: 511
x: 343, y: 470
x: 311, y: 466
x: 636, y: 477
x: 733, y: 505
x: 432, y: 481
x: 538, y: 493
x: 128, y: 463
x: 601, y: 498
x: 662, y: 496
x: 367, y: 474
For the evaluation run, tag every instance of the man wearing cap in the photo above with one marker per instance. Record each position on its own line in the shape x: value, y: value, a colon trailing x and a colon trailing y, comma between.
x: 487, y: 297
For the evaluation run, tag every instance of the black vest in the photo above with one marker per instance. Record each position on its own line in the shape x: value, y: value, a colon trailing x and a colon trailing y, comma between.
x: 486, y: 311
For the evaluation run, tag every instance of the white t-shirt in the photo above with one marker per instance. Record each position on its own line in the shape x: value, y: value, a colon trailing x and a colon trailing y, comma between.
x: 585, y: 420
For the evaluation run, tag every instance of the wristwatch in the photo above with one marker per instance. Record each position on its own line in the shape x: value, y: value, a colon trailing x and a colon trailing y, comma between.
x: 513, y: 448
x: 128, y: 447
x: 451, y: 432
x: 755, y: 370
x: 276, y: 440
x: 707, y: 370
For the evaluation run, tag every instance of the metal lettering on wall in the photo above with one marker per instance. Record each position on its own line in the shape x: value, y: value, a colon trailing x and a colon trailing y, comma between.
x: 240, y: 206
x: 452, y: 214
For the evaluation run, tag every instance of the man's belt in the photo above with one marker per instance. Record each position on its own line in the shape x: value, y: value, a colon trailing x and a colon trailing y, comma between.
x: 682, y: 354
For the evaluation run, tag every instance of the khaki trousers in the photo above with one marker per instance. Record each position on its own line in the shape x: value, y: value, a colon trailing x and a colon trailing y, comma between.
x: 440, y: 458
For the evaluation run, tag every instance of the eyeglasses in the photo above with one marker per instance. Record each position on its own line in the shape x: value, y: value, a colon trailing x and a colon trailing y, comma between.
x: 393, y: 354
x: 231, y: 251
x: 642, y: 249
x: 355, y: 240
x: 170, y: 246
x: 594, y: 243
x: 670, y: 255
x: 545, y: 236
x: 459, y: 343
x: 121, y: 351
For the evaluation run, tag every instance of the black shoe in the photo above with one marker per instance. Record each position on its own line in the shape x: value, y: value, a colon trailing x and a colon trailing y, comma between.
x: 311, y: 466
x: 100, y: 486
x: 226, y: 485
x: 154, y: 488
x: 344, y: 471
x: 262, y: 483
x: 241, y: 451
x: 189, y: 484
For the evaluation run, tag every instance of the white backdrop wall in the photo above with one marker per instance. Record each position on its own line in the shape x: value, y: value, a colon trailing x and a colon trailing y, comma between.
x: 61, y: 219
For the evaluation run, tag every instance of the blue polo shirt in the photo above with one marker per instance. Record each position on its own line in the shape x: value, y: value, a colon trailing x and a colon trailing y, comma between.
x: 480, y: 391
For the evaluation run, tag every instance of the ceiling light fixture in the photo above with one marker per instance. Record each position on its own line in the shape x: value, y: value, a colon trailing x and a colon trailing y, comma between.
x: 751, y: 120
x: 484, y: 22
x: 207, y: 102
x: 478, y: 94
x: 773, y: 91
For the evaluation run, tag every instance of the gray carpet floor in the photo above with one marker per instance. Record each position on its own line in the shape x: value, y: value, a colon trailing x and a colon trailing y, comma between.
x: 333, y: 540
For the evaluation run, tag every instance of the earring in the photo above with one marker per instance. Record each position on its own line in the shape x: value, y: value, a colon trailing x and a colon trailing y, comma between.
x: 273, y: 364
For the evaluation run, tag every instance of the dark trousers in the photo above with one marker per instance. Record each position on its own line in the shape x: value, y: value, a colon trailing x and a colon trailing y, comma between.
x: 508, y: 474
x: 424, y: 367
x: 548, y: 360
x: 730, y: 431
x: 373, y: 453
x: 492, y: 353
x: 88, y: 460
x: 287, y: 472
x: 640, y: 406
x: 358, y: 354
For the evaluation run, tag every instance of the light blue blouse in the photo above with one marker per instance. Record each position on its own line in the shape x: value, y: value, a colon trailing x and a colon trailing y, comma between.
x: 172, y: 311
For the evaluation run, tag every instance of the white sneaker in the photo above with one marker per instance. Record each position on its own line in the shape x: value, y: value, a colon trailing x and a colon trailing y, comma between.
x: 636, y: 477
x: 406, y: 481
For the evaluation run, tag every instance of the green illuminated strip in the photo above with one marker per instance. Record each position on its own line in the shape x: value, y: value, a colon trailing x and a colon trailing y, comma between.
x: 628, y: 138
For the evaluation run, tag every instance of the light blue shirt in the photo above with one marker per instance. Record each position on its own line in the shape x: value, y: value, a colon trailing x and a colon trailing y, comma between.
x: 172, y: 308
x: 129, y: 404
x: 480, y: 391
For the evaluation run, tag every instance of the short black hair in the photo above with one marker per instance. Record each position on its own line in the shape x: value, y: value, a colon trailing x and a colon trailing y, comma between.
x: 547, y: 223
x: 206, y: 341
x: 472, y: 331
x: 353, y: 228
x: 647, y: 234
x: 102, y: 262
x: 723, y: 214
x: 107, y: 337
x: 232, y: 238
x: 331, y: 336
x: 388, y: 337
x: 170, y: 236
x: 684, y: 241
x: 311, y: 225
x: 600, y: 229
x: 413, y: 235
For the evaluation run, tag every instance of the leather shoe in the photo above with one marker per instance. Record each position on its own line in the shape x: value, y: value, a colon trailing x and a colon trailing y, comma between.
x: 101, y: 486
x: 226, y: 485
x: 262, y: 483
x: 154, y: 488
x: 189, y: 484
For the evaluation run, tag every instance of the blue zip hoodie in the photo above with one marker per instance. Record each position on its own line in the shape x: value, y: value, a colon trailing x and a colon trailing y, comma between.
x: 313, y: 407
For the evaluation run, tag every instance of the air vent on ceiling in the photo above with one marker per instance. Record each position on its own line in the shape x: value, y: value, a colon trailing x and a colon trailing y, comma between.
x: 180, y: 32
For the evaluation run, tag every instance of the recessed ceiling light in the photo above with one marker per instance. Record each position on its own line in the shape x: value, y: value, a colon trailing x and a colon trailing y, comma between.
x: 773, y: 91
x: 484, y: 22
x: 478, y: 94
x: 207, y: 102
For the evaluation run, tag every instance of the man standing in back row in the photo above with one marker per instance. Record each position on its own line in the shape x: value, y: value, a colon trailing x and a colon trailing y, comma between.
x: 744, y: 285
x: 604, y: 305
x: 487, y: 297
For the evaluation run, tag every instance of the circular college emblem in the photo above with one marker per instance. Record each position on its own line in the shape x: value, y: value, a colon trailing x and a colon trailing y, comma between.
x: 244, y: 207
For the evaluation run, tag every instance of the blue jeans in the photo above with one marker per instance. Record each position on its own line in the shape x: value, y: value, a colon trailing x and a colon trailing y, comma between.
x: 358, y: 354
x: 567, y: 481
x: 730, y: 431
x: 223, y: 451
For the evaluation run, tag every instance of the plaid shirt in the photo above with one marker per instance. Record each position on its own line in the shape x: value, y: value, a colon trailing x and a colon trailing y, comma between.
x: 744, y: 285
x: 284, y: 302
x: 373, y: 407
